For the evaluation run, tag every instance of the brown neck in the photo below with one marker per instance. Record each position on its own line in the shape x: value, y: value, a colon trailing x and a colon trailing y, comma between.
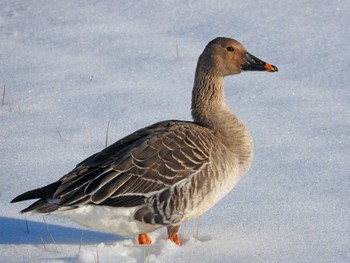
x: 209, y: 109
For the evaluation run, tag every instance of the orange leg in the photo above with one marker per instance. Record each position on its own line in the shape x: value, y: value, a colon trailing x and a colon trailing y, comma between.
x: 173, y: 234
x: 175, y: 239
x: 144, y: 239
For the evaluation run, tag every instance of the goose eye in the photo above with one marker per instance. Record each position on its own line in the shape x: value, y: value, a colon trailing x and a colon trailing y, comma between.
x: 230, y: 49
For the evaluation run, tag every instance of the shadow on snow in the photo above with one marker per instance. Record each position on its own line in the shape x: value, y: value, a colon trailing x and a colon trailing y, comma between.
x: 14, y: 231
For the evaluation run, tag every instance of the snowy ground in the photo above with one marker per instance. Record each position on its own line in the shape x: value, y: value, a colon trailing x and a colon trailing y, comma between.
x: 70, y: 67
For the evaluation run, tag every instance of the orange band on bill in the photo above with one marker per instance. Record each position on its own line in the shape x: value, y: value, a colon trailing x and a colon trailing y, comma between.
x: 270, y: 67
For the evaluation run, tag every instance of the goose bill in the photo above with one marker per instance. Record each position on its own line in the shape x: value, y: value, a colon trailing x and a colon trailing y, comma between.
x: 253, y: 63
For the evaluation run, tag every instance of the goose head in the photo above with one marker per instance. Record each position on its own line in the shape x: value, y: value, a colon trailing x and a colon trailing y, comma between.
x: 225, y: 56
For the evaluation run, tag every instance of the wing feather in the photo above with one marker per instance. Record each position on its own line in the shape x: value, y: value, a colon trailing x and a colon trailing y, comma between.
x: 127, y: 172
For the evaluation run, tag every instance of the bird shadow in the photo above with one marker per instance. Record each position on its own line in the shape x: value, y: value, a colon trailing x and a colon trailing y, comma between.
x: 19, y: 231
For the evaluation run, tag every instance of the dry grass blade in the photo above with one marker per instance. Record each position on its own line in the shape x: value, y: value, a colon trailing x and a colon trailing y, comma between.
x: 177, y: 51
x: 48, y: 231
x: 59, y: 132
x: 107, y: 133
x: 81, y: 240
x: 3, y: 94
x: 42, y: 241
x: 97, y: 256
x: 27, y: 227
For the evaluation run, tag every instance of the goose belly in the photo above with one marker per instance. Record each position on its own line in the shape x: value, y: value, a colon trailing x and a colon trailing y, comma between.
x: 118, y: 220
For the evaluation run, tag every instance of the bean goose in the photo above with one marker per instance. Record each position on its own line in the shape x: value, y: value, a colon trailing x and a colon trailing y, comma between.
x: 167, y: 173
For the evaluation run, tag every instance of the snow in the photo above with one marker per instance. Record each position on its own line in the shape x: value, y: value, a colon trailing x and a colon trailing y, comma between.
x: 70, y: 67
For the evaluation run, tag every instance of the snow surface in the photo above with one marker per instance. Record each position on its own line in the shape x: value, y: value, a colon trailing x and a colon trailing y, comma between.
x: 70, y: 67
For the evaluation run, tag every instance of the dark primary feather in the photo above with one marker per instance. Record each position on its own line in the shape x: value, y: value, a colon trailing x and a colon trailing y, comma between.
x: 123, y: 174
x: 42, y: 192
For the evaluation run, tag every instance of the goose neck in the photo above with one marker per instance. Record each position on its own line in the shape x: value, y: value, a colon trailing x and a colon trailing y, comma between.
x: 208, y: 103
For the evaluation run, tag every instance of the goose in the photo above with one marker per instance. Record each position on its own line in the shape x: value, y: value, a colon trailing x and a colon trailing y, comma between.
x: 167, y: 173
